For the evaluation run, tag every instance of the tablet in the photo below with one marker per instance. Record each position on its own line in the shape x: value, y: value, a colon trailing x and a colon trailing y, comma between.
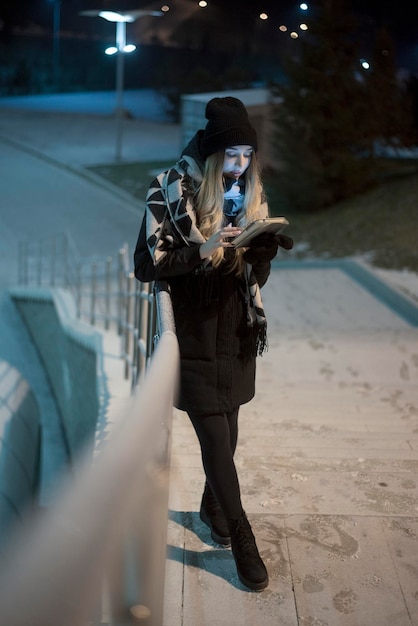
x: 265, y: 225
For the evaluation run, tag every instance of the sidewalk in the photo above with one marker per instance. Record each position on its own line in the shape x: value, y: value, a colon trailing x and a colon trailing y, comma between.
x: 328, y: 449
x: 328, y: 460
x: 80, y: 131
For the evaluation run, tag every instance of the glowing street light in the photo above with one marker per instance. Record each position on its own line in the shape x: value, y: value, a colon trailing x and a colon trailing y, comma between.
x: 120, y: 18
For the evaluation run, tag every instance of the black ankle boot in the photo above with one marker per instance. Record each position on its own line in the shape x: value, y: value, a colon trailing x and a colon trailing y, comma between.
x: 211, y: 514
x: 250, y: 567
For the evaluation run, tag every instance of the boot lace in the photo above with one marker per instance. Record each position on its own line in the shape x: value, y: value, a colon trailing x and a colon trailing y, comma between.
x: 245, y: 537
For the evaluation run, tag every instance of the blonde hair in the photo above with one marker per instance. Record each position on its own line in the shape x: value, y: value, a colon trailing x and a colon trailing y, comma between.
x: 210, y: 203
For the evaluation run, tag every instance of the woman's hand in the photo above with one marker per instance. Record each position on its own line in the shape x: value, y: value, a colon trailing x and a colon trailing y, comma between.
x: 263, y: 248
x: 220, y: 239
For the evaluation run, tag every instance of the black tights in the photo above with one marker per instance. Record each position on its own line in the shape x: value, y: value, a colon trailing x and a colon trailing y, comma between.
x: 218, y: 435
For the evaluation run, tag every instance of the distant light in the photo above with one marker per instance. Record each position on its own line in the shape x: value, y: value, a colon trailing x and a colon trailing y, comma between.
x: 303, y: 6
x: 111, y: 16
x: 130, y: 47
x: 294, y: 35
x: 263, y: 16
x: 303, y: 26
x: 165, y: 8
x: 118, y: 16
x: 283, y: 28
x: 365, y: 64
x: 203, y: 4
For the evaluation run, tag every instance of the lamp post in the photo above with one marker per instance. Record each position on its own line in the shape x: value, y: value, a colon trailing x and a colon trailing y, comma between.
x: 121, y: 18
x: 56, y: 41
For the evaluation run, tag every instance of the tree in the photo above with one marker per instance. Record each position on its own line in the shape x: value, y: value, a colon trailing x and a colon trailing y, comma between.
x: 323, y: 137
x: 411, y: 87
x: 11, y: 15
x: 390, y: 105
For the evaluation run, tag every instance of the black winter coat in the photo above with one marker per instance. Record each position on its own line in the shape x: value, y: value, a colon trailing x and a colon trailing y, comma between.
x: 217, y: 359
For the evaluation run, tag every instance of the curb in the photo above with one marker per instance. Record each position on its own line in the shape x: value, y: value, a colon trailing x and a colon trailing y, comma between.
x: 394, y: 299
x: 136, y: 205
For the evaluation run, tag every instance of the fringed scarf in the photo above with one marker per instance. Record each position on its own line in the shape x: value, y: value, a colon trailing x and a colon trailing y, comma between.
x: 255, y: 312
x: 171, y: 219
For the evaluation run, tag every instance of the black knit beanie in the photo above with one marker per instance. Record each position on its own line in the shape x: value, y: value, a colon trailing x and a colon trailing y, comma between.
x: 228, y: 125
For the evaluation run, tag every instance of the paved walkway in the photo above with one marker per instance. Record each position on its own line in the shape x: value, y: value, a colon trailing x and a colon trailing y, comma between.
x: 328, y: 451
x: 79, y: 131
x: 328, y: 461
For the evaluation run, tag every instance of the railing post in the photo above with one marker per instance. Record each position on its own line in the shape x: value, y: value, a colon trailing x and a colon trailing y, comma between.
x: 152, y: 322
x: 52, y: 267
x: 128, y: 322
x: 121, y: 288
x: 136, y: 336
x: 107, y: 291
x: 143, y: 305
x: 39, y: 264
x: 93, y: 294
x: 23, y: 263
x: 65, y: 263
x: 78, y: 289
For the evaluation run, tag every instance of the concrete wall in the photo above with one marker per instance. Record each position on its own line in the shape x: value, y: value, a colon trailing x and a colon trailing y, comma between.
x: 70, y: 352
x: 19, y: 446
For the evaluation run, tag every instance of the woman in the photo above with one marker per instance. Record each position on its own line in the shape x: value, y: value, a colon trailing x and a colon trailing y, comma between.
x: 193, y: 211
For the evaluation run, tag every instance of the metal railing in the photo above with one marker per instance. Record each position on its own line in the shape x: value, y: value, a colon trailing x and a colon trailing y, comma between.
x: 105, y: 291
x: 111, y: 569
x: 97, y: 556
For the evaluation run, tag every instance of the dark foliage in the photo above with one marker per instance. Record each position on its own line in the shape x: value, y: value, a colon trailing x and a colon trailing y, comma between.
x: 329, y: 115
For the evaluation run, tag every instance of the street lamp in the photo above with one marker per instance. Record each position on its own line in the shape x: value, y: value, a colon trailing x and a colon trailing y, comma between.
x: 121, y: 18
x: 56, y: 42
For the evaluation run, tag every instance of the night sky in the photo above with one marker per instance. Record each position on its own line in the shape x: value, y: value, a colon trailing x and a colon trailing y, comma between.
x: 401, y: 16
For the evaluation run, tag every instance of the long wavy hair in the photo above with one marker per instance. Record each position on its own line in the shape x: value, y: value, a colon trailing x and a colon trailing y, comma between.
x: 209, y: 203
